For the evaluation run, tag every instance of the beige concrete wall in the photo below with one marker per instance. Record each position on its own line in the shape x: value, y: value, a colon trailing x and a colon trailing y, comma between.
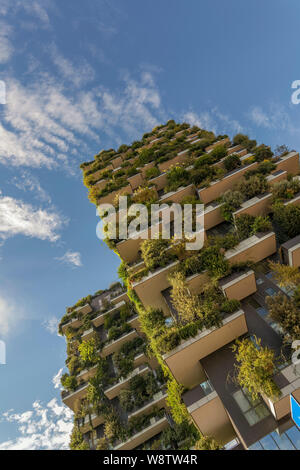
x: 212, y: 420
x: 258, y: 251
x: 258, y: 207
x: 191, y: 351
x: 109, y: 199
x: 174, y: 161
x: 116, y: 162
x: 144, y: 168
x: 241, y: 288
x: 136, y: 180
x: 213, y: 217
x: 216, y: 189
x: 296, y: 257
x: 290, y: 164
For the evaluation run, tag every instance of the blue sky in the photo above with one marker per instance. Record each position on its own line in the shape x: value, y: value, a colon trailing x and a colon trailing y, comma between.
x: 83, y: 76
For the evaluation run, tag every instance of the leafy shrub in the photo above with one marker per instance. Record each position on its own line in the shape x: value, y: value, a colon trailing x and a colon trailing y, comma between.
x: 262, y: 153
x: 232, y: 200
x: 287, y: 220
x: 253, y: 186
x: 232, y: 162
x: 176, y: 177
x: 286, y: 189
x: 154, y: 254
x: 152, y: 172
x: 242, y: 139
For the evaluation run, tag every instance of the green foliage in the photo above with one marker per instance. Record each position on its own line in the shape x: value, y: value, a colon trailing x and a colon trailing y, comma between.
x: 285, y: 190
x: 248, y: 225
x: 207, y: 443
x: 287, y: 220
x: 77, y: 442
x: 232, y: 162
x: 253, y: 186
x: 286, y: 312
x: 255, y: 368
x: 264, y: 168
x: 152, y: 320
x: 263, y: 152
x: 178, y: 409
x: 154, y: 253
x: 69, y: 382
x: 152, y: 172
x: 88, y: 352
x: 176, y: 177
x: 242, y: 139
x: 232, y: 200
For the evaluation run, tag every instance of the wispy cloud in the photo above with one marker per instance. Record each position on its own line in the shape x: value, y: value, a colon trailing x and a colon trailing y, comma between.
x: 10, y: 314
x: 44, y: 427
x: 26, y: 181
x: 274, y: 117
x: 19, y: 218
x: 51, y: 325
x: 56, y: 379
x: 214, y: 120
x: 6, y: 47
x: 78, y: 75
x: 72, y: 258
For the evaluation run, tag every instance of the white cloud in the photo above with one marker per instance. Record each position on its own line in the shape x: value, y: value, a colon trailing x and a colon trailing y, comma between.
x: 17, y: 217
x: 51, y: 325
x: 78, y: 75
x: 213, y: 120
x: 28, y: 182
x: 44, y: 427
x: 10, y: 314
x: 72, y: 258
x: 275, y: 117
x: 56, y: 379
x: 6, y: 48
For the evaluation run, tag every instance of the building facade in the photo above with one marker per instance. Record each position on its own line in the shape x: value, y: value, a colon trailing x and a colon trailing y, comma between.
x: 195, y: 316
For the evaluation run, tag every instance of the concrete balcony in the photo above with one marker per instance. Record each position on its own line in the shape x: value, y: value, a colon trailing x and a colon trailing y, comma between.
x: 219, y: 142
x: 238, y: 285
x: 159, y: 181
x: 117, y: 162
x: 158, y: 401
x: 120, y: 297
x: 291, y: 252
x: 88, y: 334
x: 156, y: 426
x: 96, y: 420
x: 208, y: 413
x: 115, y: 389
x: 212, y: 215
x: 289, y: 163
x: 149, y: 288
x: 277, y: 176
x: 180, y: 158
x: 114, y: 346
x: 109, y: 198
x: 206, y: 342
x: 99, y: 320
x: 288, y: 380
x: 86, y: 374
x: 178, y: 195
x: 136, y: 180
x: 218, y: 187
x: 71, y: 399
x: 258, y: 205
x: 234, y: 149
x: 255, y: 248
x: 76, y: 322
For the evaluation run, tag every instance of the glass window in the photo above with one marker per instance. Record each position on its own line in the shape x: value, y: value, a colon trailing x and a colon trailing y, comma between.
x: 270, y: 291
x: 268, y: 443
x: 256, y: 446
x: 262, y: 311
x: 241, y: 401
x: 206, y: 387
x: 282, y: 441
x: 253, y: 410
x: 294, y: 435
x: 259, y: 281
